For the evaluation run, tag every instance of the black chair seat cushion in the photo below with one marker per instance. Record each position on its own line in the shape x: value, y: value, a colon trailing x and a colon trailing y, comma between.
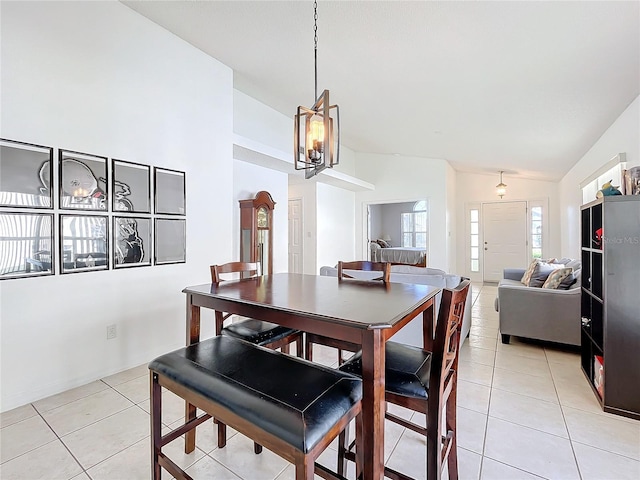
x: 257, y: 331
x: 291, y: 398
x: 407, y: 369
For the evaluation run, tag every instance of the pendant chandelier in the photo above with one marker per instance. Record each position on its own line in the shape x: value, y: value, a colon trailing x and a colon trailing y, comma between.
x: 501, y: 188
x: 316, y: 131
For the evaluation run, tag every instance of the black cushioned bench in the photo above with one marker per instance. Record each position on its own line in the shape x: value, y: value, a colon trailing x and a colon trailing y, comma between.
x: 293, y: 407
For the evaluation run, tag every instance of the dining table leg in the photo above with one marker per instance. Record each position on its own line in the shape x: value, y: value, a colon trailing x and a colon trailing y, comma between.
x: 373, y: 405
x: 193, y: 336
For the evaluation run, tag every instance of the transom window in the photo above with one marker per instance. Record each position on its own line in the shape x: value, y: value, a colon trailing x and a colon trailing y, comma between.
x: 414, y: 226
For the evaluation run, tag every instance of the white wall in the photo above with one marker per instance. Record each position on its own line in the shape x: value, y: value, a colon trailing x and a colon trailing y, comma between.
x: 375, y: 222
x: 257, y: 121
x: 248, y: 180
x: 399, y: 179
x: 347, y: 163
x: 97, y: 77
x: 479, y: 188
x: 336, y: 225
x: 623, y: 136
x: 451, y: 219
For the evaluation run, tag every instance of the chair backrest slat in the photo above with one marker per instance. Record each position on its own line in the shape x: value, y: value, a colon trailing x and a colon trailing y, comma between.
x: 248, y: 268
x: 384, y: 267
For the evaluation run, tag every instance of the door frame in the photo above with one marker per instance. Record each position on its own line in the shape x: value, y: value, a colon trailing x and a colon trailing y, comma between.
x: 531, y: 202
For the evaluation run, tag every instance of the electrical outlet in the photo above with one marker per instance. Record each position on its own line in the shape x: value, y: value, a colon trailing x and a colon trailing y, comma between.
x: 111, y: 331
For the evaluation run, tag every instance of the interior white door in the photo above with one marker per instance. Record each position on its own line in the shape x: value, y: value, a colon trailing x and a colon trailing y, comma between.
x: 295, y: 235
x: 504, y: 228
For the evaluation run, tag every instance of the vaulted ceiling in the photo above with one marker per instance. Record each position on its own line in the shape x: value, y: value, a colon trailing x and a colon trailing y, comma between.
x: 525, y: 87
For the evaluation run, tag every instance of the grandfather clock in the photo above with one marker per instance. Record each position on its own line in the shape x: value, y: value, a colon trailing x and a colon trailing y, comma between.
x: 256, y: 231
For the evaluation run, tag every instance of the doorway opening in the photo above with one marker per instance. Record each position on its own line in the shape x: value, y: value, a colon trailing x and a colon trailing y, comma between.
x: 398, y: 231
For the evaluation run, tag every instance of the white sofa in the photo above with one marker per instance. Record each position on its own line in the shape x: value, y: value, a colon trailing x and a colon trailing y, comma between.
x: 411, y: 334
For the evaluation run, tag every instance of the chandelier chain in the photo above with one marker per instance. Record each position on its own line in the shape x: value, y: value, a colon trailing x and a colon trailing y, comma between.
x: 315, y: 48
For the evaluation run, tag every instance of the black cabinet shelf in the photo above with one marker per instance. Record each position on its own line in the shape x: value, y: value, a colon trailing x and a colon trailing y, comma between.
x: 610, y: 330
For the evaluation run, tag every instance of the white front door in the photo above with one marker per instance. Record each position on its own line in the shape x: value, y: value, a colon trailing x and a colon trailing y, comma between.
x: 504, y: 227
x: 295, y: 235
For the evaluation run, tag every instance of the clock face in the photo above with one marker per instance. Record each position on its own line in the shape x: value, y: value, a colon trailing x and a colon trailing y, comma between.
x: 263, y: 218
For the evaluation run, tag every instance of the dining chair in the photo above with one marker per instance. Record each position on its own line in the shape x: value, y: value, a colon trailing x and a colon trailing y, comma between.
x: 257, y: 332
x: 424, y: 382
x: 342, y: 345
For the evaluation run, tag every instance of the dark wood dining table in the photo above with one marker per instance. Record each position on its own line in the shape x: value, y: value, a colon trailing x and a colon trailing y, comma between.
x: 367, y: 313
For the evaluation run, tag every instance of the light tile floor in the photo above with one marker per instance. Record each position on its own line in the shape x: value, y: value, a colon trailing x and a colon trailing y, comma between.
x: 525, y: 411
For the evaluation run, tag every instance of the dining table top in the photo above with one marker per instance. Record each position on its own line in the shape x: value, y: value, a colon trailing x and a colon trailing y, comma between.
x: 349, y: 302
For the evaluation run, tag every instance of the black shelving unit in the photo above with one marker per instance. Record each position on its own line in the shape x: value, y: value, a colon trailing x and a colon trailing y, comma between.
x: 610, y: 352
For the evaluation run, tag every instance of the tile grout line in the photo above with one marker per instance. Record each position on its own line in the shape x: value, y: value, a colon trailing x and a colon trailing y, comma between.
x: 516, y: 468
x: 93, y: 423
x: 60, y: 440
x: 566, y: 425
x: 486, y: 423
x: 33, y: 404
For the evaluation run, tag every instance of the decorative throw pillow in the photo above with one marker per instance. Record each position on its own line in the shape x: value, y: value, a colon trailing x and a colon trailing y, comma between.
x: 527, y: 275
x: 569, y: 280
x: 556, y: 277
x: 541, y: 271
x: 383, y: 243
x: 564, y: 260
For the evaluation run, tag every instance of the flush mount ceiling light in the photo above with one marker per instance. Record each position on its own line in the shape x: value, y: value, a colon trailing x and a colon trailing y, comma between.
x: 501, y: 188
x: 316, y: 130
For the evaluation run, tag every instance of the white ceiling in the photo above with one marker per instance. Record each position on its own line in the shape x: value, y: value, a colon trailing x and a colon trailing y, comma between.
x: 525, y: 87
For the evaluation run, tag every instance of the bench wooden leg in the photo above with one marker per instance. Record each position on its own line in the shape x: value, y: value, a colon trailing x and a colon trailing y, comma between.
x: 299, y: 347
x: 308, y: 351
x: 343, y: 445
x: 190, y: 437
x: 347, y: 452
x: 222, y: 435
x: 156, y: 425
x: 305, y: 468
